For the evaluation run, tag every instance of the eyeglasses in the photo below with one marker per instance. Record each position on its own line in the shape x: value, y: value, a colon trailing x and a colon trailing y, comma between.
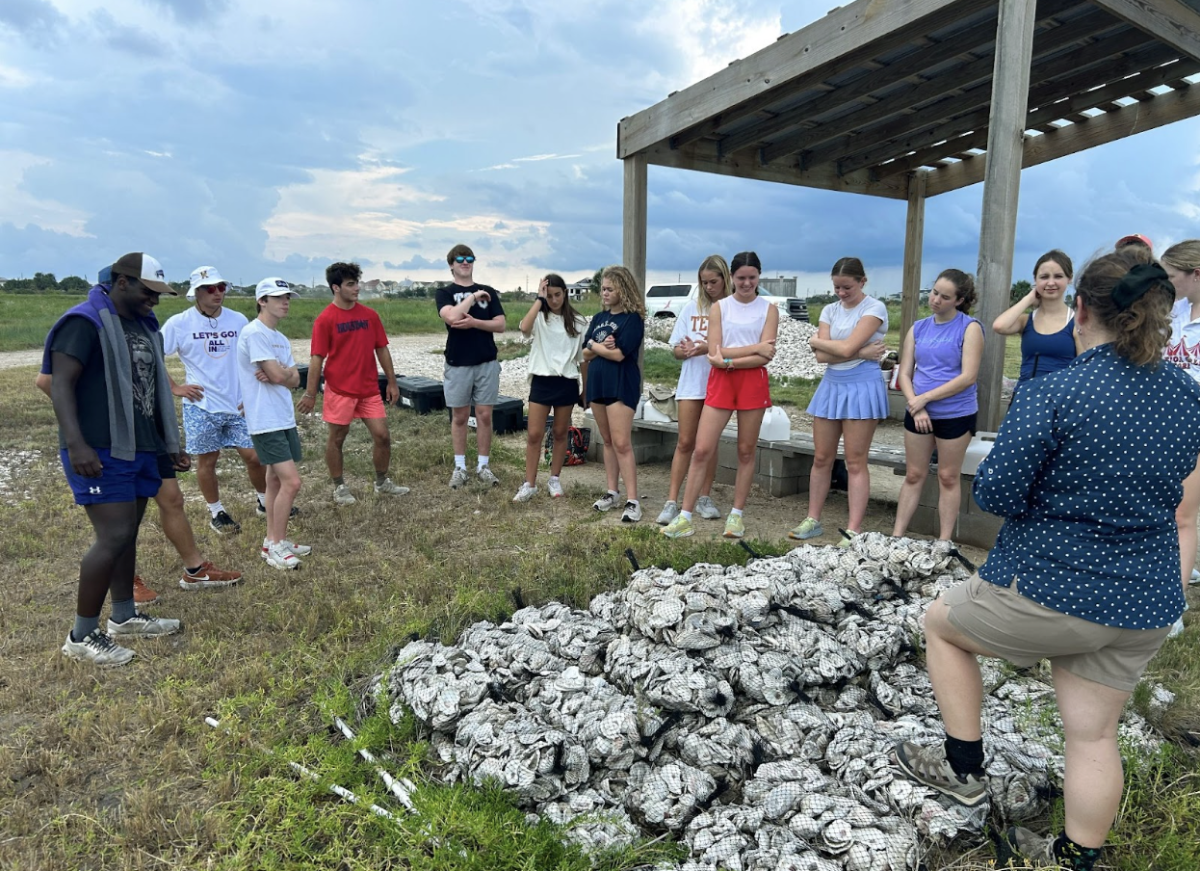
x: 461, y: 259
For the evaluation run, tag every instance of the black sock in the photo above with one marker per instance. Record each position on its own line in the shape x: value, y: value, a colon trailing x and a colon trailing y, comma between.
x: 339, y: 480
x: 195, y: 569
x: 380, y: 477
x: 965, y: 757
x: 1071, y: 855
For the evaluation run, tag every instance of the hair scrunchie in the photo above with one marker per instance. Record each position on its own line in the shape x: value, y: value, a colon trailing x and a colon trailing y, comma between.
x: 1137, y: 282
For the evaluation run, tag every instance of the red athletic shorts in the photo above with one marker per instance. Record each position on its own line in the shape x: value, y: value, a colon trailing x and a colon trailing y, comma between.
x: 738, y: 389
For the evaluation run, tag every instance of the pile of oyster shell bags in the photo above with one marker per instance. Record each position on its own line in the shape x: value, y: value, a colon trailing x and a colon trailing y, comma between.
x: 746, y: 711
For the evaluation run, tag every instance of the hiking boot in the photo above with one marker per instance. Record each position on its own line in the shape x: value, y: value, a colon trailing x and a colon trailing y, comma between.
x: 632, y: 512
x: 343, y: 496
x: 224, y: 524
x: 486, y: 477
x: 810, y: 528
x: 669, y: 512
x: 389, y: 488
x: 847, y: 537
x: 554, y: 488
x: 525, y: 493
x: 206, y: 576
x: 143, y: 626
x: 261, y: 511
x: 706, y: 509
x: 735, y: 527
x: 96, y: 648
x: 143, y: 595
x: 1021, y: 848
x: 458, y: 478
x: 280, y: 557
x: 929, y: 766
x: 680, y: 527
x: 605, y: 502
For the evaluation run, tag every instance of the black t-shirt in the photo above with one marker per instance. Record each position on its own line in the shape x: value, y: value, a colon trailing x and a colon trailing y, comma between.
x: 607, y: 379
x: 469, y: 347
x: 78, y: 338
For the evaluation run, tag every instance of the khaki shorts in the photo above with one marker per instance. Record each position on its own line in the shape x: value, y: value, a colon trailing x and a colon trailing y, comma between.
x: 1020, y: 630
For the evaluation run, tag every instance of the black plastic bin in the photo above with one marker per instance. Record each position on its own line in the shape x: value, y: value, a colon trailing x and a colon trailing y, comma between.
x: 508, y: 415
x: 422, y: 395
x: 303, y: 370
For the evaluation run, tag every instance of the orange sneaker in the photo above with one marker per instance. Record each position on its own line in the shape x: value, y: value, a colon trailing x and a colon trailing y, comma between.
x: 143, y: 595
x: 208, y: 575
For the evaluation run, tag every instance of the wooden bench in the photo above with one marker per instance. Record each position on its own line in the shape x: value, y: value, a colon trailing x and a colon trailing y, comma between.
x: 782, y: 469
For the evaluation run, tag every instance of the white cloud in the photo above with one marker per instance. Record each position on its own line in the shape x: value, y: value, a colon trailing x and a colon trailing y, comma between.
x: 11, y: 77
x: 709, y: 34
x: 21, y: 208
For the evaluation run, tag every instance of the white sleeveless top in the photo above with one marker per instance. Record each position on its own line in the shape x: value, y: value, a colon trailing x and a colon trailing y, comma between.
x: 742, y: 323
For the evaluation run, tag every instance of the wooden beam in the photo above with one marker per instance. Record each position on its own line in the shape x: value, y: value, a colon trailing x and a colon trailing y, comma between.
x: 1040, y: 118
x: 952, y: 81
x: 918, y: 62
x: 843, y: 31
x: 943, y: 120
x: 633, y: 219
x: 1002, y: 187
x: 702, y: 156
x: 914, y: 237
x: 1168, y: 20
x: 1135, y: 118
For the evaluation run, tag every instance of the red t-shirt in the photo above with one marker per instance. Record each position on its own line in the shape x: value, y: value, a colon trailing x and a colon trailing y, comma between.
x: 347, y: 339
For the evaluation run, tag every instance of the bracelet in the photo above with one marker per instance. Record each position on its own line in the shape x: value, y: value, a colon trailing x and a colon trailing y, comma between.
x: 728, y: 363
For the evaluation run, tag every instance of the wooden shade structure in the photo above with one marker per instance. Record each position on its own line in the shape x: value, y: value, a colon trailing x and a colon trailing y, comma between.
x: 912, y: 98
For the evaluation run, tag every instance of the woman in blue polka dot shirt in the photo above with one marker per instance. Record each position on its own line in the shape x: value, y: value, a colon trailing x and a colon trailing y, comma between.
x: 1086, y: 471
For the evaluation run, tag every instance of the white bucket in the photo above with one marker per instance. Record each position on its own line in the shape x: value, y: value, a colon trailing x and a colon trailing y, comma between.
x: 980, y: 447
x: 776, y: 427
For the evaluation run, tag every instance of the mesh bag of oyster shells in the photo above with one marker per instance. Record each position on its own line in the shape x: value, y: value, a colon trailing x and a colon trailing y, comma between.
x: 747, y: 711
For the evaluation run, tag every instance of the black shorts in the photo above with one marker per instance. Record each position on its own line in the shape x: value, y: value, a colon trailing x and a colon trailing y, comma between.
x: 553, y: 391
x: 166, y: 468
x: 946, y: 428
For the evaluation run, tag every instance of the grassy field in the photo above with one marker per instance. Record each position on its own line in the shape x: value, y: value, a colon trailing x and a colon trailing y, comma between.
x: 26, y: 318
x: 116, y: 769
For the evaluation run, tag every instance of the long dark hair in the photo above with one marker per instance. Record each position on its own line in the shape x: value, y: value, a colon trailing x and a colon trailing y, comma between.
x: 570, y: 318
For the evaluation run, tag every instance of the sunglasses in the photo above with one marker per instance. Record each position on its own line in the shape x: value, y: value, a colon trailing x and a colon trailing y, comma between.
x: 461, y: 259
x: 215, y: 288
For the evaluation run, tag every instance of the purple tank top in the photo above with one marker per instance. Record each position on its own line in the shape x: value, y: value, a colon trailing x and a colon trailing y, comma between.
x: 939, y: 351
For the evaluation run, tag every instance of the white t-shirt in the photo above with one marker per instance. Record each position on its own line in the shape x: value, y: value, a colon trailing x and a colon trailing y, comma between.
x: 842, y: 322
x: 208, y: 348
x: 554, y: 353
x: 693, y: 375
x: 1184, y: 348
x: 268, y: 406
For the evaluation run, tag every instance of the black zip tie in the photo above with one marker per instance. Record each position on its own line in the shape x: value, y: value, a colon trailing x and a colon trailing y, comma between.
x: 748, y: 549
x: 967, y: 564
x: 632, y: 559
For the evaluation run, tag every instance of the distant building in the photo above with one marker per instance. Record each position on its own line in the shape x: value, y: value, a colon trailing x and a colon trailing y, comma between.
x: 576, y: 290
x: 777, y: 286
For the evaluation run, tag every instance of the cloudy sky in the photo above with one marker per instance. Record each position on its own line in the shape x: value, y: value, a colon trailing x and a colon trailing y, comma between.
x: 271, y: 137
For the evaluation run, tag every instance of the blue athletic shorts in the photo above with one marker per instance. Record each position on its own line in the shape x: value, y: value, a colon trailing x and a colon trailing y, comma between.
x: 119, y: 481
x: 206, y: 432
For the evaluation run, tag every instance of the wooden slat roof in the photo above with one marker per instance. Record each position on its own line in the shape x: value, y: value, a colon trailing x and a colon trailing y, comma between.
x: 859, y: 99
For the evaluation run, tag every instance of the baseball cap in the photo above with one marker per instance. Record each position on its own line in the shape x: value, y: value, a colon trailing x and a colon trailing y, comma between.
x: 1133, y: 238
x: 273, y: 287
x: 202, y: 277
x: 145, y: 269
x: 105, y: 276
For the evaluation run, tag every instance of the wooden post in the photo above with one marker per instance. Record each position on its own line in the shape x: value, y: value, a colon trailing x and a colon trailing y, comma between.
x: 633, y: 252
x: 1001, y: 188
x: 914, y: 236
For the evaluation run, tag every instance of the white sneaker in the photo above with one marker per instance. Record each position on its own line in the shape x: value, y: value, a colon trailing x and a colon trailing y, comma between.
x: 525, y: 493
x: 486, y: 477
x: 1195, y: 578
x: 669, y: 512
x: 605, y: 502
x: 297, y: 549
x: 97, y: 648
x: 1176, y: 628
x: 458, y: 478
x: 343, y: 496
x: 281, y: 557
x: 143, y: 626
x: 554, y: 488
x: 632, y: 513
x: 706, y: 509
x: 389, y: 488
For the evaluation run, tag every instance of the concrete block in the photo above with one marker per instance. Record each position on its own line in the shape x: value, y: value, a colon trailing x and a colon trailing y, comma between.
x: 727, y: 455
x: 773, y: 462
x: 784, y: 486
x: 726, y: 475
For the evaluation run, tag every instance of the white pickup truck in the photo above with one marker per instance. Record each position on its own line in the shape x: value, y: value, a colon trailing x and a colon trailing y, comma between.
x: 668, y: 300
